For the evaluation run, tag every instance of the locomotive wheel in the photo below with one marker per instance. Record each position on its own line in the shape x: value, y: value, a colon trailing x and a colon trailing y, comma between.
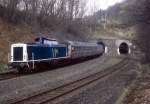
x: 23, y: 70
x: 20, y: 70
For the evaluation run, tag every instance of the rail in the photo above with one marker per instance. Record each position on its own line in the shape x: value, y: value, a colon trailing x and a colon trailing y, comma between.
x: 51, y: 95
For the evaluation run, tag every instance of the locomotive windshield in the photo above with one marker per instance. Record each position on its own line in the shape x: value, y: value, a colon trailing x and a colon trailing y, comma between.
x: 18, y: 53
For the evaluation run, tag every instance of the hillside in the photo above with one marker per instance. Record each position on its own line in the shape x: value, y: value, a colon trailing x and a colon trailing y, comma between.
x: 135, y: 16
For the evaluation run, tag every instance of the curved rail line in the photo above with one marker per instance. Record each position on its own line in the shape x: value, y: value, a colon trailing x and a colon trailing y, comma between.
x: 14, y: 73
x: 51, y: 95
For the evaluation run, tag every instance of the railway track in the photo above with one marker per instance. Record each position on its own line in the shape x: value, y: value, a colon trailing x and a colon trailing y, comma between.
x: 51, y: 95
x: 14, y: 74
x: 9, y: 75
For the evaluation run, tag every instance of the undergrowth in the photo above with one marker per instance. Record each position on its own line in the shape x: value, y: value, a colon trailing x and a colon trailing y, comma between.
x: 3, y: 67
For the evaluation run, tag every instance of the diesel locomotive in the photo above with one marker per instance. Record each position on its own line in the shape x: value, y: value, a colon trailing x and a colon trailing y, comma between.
x: 44, y: 51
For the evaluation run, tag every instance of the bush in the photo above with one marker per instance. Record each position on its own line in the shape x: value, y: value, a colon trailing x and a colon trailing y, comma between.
x: 3, y: 67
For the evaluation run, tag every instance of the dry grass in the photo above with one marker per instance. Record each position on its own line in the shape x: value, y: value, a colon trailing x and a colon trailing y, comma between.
x: 115, y: 31
x: 140, y: 92
x: 118, y: 31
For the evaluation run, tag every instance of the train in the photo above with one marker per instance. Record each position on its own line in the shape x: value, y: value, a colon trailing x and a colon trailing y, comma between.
x: 44, y: 52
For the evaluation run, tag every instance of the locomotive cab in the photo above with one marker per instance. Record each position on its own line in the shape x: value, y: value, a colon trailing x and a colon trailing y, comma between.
x: 18, y: 53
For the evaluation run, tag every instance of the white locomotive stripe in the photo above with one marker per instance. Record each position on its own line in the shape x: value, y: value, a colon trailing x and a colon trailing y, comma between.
x: 43, y: 59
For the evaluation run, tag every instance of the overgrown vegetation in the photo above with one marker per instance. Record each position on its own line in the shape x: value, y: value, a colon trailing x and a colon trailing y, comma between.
x: 53, y: 14
x: 3, y: 67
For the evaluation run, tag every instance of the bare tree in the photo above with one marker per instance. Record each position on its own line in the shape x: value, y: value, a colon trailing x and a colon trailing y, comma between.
x: 45, y: 13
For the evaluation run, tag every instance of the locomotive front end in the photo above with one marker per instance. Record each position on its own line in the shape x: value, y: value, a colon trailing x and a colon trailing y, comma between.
x: 18, y: 56
x: 18, y: 53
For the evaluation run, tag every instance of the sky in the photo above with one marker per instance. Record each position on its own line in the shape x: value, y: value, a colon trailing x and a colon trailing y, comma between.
x: 95, y: 5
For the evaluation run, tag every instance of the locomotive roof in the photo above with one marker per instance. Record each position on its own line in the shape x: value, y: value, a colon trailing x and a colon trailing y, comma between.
x: 39, y: 44
x: 43, y: 38
x: 75, y: 43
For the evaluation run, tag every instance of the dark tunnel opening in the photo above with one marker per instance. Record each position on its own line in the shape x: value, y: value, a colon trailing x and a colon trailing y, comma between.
x: 124, y: 48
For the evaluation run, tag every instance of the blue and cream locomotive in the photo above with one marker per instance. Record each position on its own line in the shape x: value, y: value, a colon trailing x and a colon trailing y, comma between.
x: 43, y: 52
